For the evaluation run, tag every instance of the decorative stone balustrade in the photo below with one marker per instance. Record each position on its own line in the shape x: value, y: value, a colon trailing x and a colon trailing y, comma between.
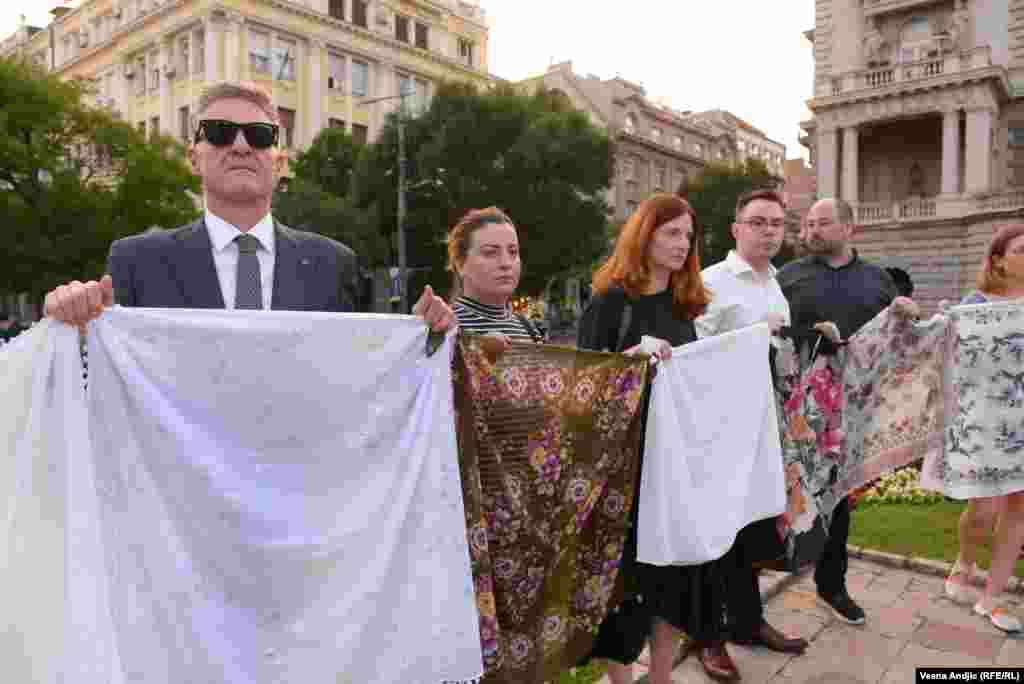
x: 898, y: 74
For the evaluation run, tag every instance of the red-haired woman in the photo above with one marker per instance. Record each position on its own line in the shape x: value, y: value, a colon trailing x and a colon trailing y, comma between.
x: 654, y: 275
x: 1001, y: 278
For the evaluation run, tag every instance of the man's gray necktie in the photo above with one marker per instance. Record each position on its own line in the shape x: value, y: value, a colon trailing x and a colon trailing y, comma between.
x: 248, y: 290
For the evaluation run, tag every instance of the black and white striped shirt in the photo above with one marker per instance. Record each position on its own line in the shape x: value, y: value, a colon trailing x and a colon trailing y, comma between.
x: 485, y: 318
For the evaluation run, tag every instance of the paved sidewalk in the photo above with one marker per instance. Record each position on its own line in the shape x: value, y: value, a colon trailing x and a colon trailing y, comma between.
x: 910, y: 624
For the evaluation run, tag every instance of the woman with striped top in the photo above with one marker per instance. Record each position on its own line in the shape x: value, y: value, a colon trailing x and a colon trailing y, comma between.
x: 483, y: 256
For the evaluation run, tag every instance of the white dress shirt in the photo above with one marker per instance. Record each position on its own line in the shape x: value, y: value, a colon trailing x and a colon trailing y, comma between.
x: 739, y: 297
x: 225, y: 256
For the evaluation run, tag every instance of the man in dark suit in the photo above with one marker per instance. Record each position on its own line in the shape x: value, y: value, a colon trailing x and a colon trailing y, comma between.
x: 236, y: 255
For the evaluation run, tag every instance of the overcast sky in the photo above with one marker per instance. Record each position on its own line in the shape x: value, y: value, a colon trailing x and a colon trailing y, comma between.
x: 747, y: 56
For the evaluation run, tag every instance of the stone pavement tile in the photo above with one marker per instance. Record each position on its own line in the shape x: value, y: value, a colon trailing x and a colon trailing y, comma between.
x: 858, y: 583
x: 942, y: 610
x: 921, y: 602
x: 796, y: 623
x: 944, y: 637
x: 915, y: 656
x: 892, y: 579
x: 1012, y: 653
x: 861, y: 656
x: 893, y: 620
x: 928, y: 584
x: 866, y: 566
x: 804, y: 601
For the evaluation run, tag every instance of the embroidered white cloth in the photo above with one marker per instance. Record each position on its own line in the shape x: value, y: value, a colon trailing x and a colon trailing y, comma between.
x: 254, y: 497
x: 712, y: 455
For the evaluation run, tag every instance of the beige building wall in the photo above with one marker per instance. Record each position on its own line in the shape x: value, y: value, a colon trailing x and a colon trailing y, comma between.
x: 919, y: 123
x: 656, y: 147
x: 150, y: 59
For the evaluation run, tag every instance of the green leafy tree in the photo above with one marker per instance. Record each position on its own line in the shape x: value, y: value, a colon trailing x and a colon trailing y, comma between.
x: 73, y: 179
x: 319, y: 197
x: 713, y: 195
x: 537, y: 160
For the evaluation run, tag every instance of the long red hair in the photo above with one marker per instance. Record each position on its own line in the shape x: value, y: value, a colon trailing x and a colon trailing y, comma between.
x: 627, y: 266
x: 992, y: 279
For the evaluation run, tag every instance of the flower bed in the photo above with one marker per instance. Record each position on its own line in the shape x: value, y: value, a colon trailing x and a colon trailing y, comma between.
x: 900, y: 486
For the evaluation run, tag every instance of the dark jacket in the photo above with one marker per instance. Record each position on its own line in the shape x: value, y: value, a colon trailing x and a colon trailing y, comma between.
x: 849, y: 296
x: 175, y: 269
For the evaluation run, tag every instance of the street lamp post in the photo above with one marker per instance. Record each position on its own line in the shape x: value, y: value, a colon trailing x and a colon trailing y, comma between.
x: 403, y: 269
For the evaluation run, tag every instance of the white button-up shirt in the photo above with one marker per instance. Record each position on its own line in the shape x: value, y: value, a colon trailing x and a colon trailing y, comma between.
x: 225, y: 256
x: 739, y: 297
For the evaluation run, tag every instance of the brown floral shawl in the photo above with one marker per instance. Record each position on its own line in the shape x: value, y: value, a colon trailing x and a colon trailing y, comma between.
x: 549, y: 452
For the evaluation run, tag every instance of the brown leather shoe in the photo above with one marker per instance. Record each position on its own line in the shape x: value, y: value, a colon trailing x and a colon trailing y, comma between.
x: 717, y: 662
x: 774, y: 640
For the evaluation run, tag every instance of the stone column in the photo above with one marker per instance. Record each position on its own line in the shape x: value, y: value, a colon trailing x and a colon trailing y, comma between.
x: 232, y: 47
x: 210, y: 29
x: 828, y: 144
x: 978, y: 162
x: 951, y: 152
x: 851, y: 161
x: 316, y: 92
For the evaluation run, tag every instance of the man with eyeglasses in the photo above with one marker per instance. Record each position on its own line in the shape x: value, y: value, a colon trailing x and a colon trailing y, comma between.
x: 744, y: 292
x: 834, y: 284
x: 236, y: 256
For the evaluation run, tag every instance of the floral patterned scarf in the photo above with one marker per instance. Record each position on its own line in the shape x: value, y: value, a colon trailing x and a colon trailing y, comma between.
x: 549, y: 443
x: 875, y: 406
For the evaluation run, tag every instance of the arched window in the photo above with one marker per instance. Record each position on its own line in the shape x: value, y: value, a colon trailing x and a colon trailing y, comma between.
x: 630, y: 123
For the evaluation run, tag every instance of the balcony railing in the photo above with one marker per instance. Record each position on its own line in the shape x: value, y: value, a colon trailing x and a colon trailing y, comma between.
x: 874, y: 79
x: 935, y: 208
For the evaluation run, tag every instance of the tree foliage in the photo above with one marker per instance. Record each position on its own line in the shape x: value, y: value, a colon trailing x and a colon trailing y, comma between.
x: 73, y: 179
x: 542, y: 163
x: 713, y: 195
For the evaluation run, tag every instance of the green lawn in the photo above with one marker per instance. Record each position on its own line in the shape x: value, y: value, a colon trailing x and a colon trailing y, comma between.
x: 925, y: 531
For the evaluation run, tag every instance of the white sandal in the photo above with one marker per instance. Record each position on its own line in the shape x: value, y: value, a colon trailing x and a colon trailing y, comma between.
x: 958, y: 591
x: 999, y: 618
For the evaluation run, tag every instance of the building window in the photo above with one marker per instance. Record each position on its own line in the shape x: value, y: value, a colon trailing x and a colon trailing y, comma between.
x: 287, y: 119
x: 337, y: 9
x: 466, y: 51
x: 140, y: 76
x: 630, y: 123
x: 200, y: 61
x: 656, y: 134
x: 677, y: 142
x: 1015, y: 137
x: 698, y: 149
x: 405, y: 86
x: 183, y: 54
x: 422, y: 94
x: 284, y: 60
x: 630, y: 208
x: 142, y: 127
x: 422, y: 36
x: 628, y: 169
x: 154, y: 71
x: 185, y: 124
x: 335, y: 72
x: 336, y: 123
x: 401, y: 28
x: 684, y: 178
x: 659, y: 176
x: 259, y: 52
x: 360, y: 78
x: 154, y: 127
x: 360, y: 134
x: 359, y: 13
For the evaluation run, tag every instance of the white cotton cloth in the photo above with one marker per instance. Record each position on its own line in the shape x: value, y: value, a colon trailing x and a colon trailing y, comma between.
x: 712, y: 455
x: 253, y: 497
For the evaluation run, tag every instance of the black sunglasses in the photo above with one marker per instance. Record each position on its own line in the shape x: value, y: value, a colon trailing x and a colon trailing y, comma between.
x: 220, y: 133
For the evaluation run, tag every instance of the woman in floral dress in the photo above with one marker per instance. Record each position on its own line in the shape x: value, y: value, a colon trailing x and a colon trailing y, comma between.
x: 1001, y: 278
x: 651, y: 285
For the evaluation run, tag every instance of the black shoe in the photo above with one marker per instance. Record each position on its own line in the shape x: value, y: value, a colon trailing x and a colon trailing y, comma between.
x: 845, y: 608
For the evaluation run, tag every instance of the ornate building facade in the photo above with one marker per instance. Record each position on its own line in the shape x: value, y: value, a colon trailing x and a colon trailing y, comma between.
x: 657, y: 149
x: 751, y: 142
x: 919, y: 123
x: 325, y: 62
